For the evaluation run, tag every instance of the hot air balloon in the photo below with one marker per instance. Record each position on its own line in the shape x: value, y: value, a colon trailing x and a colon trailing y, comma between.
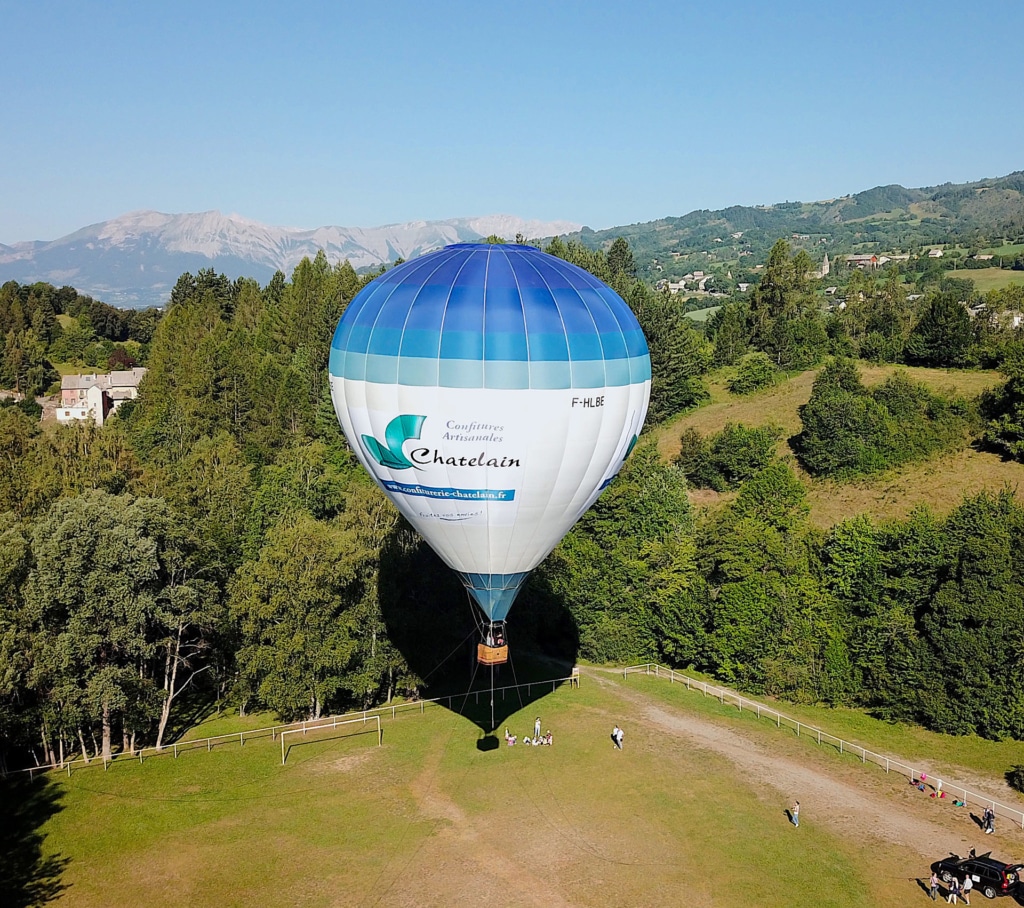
x: 492, y: 392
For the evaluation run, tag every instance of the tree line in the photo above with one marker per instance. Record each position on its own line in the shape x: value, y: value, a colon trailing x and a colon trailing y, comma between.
x: 217, y: 542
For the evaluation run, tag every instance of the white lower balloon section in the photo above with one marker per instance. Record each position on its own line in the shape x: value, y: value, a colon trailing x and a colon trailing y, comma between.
x: 491, y: 479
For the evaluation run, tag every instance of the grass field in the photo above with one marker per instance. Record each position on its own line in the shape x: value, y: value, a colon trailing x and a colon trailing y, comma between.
x: 941, y: 482
x: 702, y: 315
x: 986, y: 279
x: 430, y: 819
x: 1010, y: 249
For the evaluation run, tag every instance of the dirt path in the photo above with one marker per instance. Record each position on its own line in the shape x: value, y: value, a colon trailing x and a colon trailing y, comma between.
x: 853, y: 801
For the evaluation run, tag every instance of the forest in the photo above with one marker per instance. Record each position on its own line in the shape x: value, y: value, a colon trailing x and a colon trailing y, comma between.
x: 215, y: 545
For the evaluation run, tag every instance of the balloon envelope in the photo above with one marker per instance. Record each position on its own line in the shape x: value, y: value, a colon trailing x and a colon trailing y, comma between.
x: 492, y: 391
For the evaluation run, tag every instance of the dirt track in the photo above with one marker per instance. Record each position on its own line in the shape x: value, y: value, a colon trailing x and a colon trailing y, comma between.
x: 853, y: 800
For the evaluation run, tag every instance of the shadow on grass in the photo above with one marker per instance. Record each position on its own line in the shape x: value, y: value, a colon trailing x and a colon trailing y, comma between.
x: 430, y: 621
x: 28, y: 878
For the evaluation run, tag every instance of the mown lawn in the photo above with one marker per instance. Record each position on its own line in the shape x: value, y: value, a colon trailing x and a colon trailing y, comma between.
x: 430, y: 819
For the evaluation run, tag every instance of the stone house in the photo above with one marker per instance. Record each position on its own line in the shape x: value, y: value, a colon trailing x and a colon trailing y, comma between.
x: 95, y: 397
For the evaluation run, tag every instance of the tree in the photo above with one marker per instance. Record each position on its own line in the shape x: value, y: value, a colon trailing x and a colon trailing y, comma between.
x: 943, y: 334
x: 728, y: 329
x: 295, y: 608
x: 620, y: 259
x: 1004, y: 409
x: 91, y: 598
x: 680, y: 355
x: 624, y: 568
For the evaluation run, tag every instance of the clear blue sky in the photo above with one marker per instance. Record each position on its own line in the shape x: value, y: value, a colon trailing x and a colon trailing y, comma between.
x: 363, y: 113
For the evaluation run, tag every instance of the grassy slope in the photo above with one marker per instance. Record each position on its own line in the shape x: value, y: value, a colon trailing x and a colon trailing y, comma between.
x: 986, y: 279
x: 940, y: 482
x: 429, y: 819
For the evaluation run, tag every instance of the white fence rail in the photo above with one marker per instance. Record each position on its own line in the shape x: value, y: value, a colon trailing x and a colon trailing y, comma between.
x: 272, y: 731
x: 762, y: 711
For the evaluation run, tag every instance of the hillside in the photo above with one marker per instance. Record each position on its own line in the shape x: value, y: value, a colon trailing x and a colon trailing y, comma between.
x: 940, y: 483
x: 886, y: 218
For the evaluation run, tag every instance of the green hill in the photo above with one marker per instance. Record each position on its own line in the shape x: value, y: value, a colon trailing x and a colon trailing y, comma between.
x: 886, y: 218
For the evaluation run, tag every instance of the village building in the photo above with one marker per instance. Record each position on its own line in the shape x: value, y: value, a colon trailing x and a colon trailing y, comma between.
x: 862, y: 261
x: 95, y: 397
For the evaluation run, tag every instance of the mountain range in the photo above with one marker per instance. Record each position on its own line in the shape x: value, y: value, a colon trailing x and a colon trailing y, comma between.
x: 134, y: 260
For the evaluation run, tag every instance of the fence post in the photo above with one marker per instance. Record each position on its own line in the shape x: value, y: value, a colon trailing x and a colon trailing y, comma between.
x: 798, y: 729
x: 840, y: 745
x: 175, y: 751
x: 819, y: 736
x: 886, y: 764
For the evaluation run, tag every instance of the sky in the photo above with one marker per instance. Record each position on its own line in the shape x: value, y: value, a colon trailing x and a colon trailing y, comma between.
x: 600, y: 113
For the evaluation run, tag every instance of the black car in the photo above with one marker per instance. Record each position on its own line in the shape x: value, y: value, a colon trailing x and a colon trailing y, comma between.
x: 990, y: 877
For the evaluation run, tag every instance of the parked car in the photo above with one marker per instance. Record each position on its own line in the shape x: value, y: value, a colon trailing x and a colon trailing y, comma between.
x: 990, y: 877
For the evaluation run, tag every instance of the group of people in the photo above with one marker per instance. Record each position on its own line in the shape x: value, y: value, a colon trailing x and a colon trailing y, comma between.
x: 954, y: 889
x: 537, y: 739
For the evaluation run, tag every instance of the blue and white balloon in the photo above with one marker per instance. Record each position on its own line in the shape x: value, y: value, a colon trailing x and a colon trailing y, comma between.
x: 492, y: 391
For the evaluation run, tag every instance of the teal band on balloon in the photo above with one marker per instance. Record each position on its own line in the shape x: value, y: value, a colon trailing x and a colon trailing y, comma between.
x: 508, y: 375
x: 494, y: 593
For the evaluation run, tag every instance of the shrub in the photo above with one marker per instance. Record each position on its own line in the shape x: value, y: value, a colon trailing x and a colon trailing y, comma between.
x: 1015, y: 778
x: 724, y: 460
x: 849, y: 430
x: 756, y: 371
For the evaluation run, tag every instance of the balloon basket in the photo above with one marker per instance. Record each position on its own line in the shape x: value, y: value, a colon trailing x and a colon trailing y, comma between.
x: 493, y: 646
x: 491, y: 655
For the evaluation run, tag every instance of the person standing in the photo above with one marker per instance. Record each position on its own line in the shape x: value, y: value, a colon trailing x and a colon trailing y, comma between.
x: 990, y: 821
x: 965, y: 890
x: 953, y: 891
x: 795, y: 814
x: 536, y: 729
x: 933, y: 885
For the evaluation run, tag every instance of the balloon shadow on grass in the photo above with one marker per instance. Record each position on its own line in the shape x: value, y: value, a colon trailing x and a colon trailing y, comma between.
x: 431, y: 623
x: 28, y: 877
